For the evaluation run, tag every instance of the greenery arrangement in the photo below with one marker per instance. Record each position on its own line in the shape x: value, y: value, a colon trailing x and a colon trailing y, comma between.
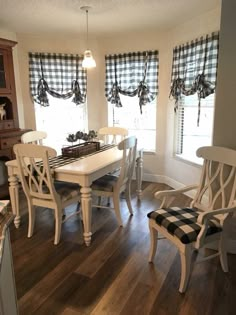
x: 79, y: 135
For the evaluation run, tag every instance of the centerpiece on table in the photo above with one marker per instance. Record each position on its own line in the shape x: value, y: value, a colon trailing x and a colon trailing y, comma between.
x: 86, y: 147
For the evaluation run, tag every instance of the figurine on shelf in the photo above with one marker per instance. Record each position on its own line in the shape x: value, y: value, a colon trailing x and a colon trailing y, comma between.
x: 2, y: 112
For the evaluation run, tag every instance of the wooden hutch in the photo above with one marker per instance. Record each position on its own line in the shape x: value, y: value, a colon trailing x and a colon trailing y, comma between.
x: 10, y: 133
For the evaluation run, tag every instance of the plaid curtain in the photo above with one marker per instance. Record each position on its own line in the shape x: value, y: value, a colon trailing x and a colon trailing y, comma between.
x: 132, y: 74
x: 194, y: 68
x: 60, y: 75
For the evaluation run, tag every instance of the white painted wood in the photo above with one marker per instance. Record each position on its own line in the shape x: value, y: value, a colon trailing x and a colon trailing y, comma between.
x: 8, y: 296
x: 38, y: 184
x: 128, y: 146
x: 215, y: 199
x: 113, y: 135
x: 34, y: 137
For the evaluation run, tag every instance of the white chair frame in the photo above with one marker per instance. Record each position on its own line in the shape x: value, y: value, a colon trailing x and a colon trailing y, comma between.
x: 113, y: 135
x: 34, y: 137
x: 38, y: 184
x: 215, y: 199
x: 123, y: 183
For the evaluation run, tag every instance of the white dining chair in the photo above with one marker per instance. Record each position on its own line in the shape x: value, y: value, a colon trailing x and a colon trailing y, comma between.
x: 39, y: 186
x: 112, y: 186
x: 113, y: 135
x: 203, y: 223
x: 34, y: 137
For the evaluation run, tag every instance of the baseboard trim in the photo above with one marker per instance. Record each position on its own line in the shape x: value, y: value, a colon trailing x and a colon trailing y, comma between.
x: 168, y: 181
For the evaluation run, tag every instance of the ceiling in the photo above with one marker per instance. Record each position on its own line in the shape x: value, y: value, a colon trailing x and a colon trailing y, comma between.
x: 105, y: 16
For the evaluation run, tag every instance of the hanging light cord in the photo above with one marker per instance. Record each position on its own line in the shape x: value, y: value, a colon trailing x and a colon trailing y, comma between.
x: 87, y: 26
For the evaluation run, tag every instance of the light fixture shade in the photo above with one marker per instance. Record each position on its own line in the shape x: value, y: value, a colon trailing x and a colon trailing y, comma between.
x: 88, y: 61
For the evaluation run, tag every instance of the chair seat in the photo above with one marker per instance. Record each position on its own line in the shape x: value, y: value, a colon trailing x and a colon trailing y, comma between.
x: 105, y: 183
x: 182, y: 223
x: 67, y: 190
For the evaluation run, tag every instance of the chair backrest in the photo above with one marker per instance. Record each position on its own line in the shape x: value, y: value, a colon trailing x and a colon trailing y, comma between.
x: 218, y: 179
x: 113, y: 135
x: 35, y: 173
x: 34, y: 137
x: 129, y: 147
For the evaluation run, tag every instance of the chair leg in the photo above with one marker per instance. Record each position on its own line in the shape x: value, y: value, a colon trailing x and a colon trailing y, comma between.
x: 128, y: 199
x: 153, y: 242
x: 31, y: 210
x: 58, y: 221
x: 116, y: 201
x: 223, y: 253
x: 185, y: 257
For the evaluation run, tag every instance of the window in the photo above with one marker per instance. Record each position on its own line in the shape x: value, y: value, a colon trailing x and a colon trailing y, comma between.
x: 143, y: 126
x: 58, y: 85
x: 69, y: 119
x: 194, y: 72
x: 131, y: 90
x: 189, y: 134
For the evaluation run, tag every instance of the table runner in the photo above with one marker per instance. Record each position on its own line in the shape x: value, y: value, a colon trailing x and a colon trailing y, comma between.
x: 61, y: 160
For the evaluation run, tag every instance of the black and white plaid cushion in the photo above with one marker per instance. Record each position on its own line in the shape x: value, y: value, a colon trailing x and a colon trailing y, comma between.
x: 105, y: 183
x: 182, y: 223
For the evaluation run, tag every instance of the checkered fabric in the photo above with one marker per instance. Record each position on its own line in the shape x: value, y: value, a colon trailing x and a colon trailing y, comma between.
x: 105, y: 183
x: 182, y: 223
x: 60, y: 75
x: 67, y: 190
x: 194, y: 68
x: 61, y: 160
x: 131, y: 74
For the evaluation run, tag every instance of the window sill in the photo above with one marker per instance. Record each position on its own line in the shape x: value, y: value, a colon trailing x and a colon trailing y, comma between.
x: 197, y: 162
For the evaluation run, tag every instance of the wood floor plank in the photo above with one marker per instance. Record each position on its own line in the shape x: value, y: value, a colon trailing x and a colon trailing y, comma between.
x: 121, y: 288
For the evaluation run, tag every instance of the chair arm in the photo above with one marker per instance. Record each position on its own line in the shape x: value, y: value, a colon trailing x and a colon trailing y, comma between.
x: 203, y: 219
x: 168, y: 196
x: 207, y: 215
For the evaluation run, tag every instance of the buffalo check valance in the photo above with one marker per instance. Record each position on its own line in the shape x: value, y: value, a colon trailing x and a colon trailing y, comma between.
x: 194, y: 68
x: 131, y: 74
x: 60, y: 75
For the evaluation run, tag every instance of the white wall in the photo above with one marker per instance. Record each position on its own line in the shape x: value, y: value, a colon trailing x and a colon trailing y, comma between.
x: 160, y: 166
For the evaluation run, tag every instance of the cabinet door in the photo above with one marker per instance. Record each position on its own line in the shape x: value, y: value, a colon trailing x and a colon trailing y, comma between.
x: 5, y: 86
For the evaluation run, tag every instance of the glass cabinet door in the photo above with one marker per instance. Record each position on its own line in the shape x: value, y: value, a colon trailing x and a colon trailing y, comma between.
x: 2, y: 72
x: 4, y: 77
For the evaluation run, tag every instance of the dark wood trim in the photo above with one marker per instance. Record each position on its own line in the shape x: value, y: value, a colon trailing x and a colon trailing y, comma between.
x: 7, y: 43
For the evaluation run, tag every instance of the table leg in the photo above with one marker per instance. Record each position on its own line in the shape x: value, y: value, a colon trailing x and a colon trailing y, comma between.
x: 139, y: 175
x: 14, y: 197
x: 86, y: 205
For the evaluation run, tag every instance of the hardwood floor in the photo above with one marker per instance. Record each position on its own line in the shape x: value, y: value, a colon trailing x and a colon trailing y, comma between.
x: 113, y: 275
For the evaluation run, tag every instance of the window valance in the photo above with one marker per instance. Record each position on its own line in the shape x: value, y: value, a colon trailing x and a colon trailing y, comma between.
x: 131, y: 74
x: 194, y: 68
x: 60, y: 75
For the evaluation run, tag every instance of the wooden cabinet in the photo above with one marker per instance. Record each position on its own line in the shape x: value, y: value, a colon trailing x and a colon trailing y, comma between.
x: 10, y: 133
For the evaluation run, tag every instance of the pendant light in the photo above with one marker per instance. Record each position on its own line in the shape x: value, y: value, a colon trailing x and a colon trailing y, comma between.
x: 88, y: 61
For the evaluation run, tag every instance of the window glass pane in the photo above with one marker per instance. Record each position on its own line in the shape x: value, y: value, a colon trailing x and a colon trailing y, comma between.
x: 190, y: 136
x: 59, y: 119
x: 129, y: 116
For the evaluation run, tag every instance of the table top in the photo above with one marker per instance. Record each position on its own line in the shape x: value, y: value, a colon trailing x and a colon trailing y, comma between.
x: 87, y: 164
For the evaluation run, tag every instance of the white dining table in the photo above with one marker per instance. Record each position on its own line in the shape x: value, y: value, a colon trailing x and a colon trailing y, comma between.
x: 83, y: 172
